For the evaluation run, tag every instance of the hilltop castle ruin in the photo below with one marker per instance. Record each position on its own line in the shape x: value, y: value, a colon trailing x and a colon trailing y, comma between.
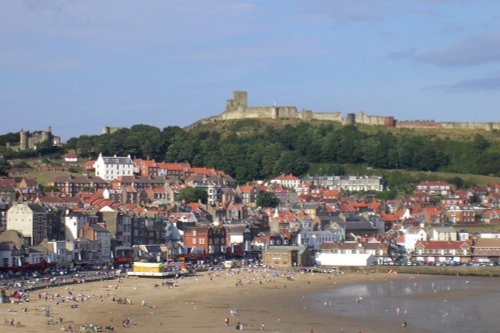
x: 238, y: 108
x: 31, y: 140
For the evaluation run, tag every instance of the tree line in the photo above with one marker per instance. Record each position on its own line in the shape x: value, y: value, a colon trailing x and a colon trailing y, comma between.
x: 251, y: 149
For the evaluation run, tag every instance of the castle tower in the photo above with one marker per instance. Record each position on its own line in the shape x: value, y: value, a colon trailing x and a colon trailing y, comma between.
x: 350, y: 119
x: 23, y: 140
x: 239, y: 101
x: 45, y: 136
x: 240, y: 98
x: 275, y: 112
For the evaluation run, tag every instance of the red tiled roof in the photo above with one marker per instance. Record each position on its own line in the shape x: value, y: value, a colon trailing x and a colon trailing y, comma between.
x: 89, y: 165
x: 173, y: 166
x: 246, y: 188
x: 331, y: 193
x: 7, y: 182
x: 203, y: 171
x: 389, y: 217
x: 286, y: 177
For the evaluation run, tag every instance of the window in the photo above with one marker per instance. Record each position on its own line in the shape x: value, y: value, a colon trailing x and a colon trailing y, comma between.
x: 202, y: 241
x: 194, y: 241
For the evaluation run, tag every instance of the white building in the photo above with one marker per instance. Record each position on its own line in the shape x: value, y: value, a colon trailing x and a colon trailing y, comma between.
x: 30, y: 219
x: 443, y: 234
x: 316, y: 238
x: 349, y: 183
x: 109, y: 168
x: 412, y: 235
x: 287, y: 181
x: 73, y: 223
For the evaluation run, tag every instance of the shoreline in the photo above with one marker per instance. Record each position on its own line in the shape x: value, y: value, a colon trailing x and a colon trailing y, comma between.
x: 198, y: 303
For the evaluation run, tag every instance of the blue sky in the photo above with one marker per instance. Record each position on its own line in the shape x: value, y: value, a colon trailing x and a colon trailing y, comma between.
x: 81, y: 65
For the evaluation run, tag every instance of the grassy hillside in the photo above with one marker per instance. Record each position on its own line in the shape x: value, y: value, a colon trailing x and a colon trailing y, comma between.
x: 43, y: 178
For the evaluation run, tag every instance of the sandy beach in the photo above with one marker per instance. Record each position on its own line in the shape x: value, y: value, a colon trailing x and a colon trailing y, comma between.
x: 272, y: 301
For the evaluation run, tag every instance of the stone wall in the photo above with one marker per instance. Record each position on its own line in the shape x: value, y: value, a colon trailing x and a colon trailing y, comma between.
x: 287, y: 112
x: 362, y: 118
x: 263, y: 112
x: 487, y: 126
x: 335, y: 116
x: 237, y: 108
x: 472, y: 125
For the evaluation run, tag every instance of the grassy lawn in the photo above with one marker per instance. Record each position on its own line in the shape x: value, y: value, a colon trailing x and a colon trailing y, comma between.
x: 43, y: 178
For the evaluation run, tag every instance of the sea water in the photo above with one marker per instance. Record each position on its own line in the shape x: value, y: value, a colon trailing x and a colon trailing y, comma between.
x: 441, y: 304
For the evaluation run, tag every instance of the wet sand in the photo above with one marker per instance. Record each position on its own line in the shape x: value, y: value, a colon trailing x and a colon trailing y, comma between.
x: 199, y: 303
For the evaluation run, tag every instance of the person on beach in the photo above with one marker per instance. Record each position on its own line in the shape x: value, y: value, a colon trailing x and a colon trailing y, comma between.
x: 226, y: 321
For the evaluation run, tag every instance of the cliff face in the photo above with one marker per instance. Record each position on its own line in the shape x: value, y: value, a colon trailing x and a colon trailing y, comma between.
x: 238, y: 108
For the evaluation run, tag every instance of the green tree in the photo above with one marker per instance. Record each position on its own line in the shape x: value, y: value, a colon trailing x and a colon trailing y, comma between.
x: 267, y: 200
x: 4, y: 167
x: 457, y: 181
x: 480, y: 143
x: 489, y: 164
x: 11, y: 137
x: 193, y: 194
x: 290, y: 163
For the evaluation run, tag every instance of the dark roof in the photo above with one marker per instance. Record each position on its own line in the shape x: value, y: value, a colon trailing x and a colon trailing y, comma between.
x: 117, y: 160
x: 36, y: 208
x: 99, y: 228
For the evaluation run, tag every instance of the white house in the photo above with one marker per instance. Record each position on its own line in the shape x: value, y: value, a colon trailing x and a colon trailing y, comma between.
x: 412, y: 236
x: 443, y: 234
x: 109, y: 168
x: 73, y: 223
x: 287, y: 181
x: 71, y: 158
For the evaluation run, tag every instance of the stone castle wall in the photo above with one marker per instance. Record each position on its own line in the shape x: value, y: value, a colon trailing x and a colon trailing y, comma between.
x: 286, y: 112
x: 472, y: 125
x: 335, y: 116
x: 362, y: 118
x: 248, y: 112
x: 237, y: 108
